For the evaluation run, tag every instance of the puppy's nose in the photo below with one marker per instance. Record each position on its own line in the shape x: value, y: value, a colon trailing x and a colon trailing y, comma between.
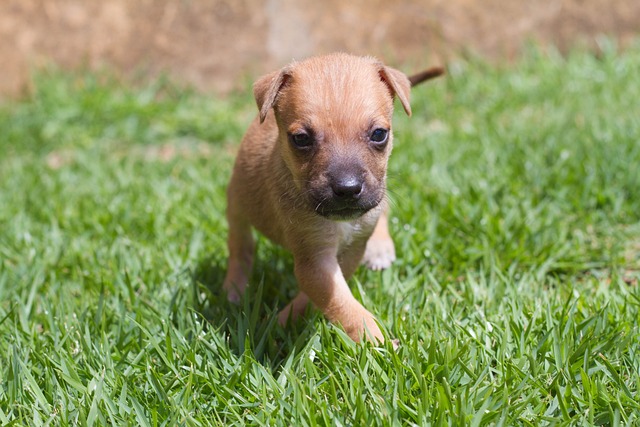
x: 347, y: 186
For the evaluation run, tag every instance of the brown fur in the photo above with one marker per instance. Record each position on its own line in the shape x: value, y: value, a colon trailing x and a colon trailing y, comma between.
x: 296, y: 197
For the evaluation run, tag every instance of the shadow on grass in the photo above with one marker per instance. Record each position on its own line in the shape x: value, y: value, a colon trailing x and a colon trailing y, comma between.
x: 253, y: 325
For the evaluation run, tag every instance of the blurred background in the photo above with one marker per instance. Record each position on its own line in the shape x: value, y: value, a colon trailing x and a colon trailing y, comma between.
x: 215, y: 45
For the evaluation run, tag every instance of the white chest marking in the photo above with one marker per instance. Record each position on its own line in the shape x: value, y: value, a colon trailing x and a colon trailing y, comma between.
x: 347, y: 231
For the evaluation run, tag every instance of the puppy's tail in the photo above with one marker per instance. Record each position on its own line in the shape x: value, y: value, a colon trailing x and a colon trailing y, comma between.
x: 422, y: 76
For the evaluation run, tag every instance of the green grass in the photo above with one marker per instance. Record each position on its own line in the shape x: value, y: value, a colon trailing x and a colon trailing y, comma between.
x: 516, y: 208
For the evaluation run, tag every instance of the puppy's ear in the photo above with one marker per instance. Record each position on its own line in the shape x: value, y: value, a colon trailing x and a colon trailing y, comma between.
x: 266, y: 90
x: 399, y: 85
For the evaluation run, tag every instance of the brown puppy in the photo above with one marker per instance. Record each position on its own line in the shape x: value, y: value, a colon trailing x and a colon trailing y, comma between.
x: 311, y: 176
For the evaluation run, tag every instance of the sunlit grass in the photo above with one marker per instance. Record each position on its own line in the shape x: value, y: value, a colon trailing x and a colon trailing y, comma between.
x: 515, y: 194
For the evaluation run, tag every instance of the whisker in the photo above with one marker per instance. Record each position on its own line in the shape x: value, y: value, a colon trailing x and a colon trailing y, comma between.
x: 397, y: 195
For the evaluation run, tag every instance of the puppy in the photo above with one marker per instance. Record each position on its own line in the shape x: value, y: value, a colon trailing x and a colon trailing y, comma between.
x: 311, y: 176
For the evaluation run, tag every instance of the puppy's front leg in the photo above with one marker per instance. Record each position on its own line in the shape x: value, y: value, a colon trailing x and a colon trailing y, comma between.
x: 241, y: 250
x: 321, y: 279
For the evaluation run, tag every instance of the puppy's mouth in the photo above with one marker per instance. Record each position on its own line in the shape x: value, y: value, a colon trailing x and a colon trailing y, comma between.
x: 343, y: 214
x: 342, y: 211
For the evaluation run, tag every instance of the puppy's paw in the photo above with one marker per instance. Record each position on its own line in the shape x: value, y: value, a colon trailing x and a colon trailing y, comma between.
x: 233, y: 296
x: 359, y: 323
x: 234, y: 292
x: 379, y: 254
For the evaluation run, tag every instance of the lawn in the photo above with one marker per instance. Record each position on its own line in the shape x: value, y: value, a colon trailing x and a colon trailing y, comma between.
x: 515, y: 211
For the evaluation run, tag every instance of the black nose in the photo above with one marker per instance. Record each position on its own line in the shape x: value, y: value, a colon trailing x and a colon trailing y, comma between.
x: 347, y: 187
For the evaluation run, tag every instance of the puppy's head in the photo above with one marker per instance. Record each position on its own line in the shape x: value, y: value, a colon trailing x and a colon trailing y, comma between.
x: 334, y: 119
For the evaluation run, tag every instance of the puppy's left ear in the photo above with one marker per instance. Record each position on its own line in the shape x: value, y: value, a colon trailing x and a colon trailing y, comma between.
x: 266, y: 90
x: 399, y: 85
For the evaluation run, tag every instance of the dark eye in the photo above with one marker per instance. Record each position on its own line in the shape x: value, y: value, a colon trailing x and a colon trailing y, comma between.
x: 301, y: 140
x: 379, y: 137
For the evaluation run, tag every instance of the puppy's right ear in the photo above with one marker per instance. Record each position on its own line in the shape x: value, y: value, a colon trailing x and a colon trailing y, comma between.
x: 267, y: 88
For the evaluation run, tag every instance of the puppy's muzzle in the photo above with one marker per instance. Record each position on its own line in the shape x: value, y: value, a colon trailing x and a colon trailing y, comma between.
x: 347, y: 195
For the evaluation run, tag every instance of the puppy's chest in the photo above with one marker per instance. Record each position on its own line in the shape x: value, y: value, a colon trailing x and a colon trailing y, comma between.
x: 349, y: 232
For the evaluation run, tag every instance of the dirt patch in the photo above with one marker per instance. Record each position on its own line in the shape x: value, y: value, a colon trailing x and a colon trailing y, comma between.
x: 163, y: 153
x: 213, y: 44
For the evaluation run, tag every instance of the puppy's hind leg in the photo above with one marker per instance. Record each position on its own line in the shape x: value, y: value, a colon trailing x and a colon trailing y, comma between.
x: 241, y: 251
x: 294, y: 309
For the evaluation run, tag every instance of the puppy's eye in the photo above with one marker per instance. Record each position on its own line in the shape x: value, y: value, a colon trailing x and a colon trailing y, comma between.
x: 301, y: 140
x: 379, y: 137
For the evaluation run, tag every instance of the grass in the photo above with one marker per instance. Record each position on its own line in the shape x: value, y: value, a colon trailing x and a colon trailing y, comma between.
x: 516, y: 215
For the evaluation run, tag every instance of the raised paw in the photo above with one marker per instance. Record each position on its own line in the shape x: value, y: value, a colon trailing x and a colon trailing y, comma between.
x: 379, y: 254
